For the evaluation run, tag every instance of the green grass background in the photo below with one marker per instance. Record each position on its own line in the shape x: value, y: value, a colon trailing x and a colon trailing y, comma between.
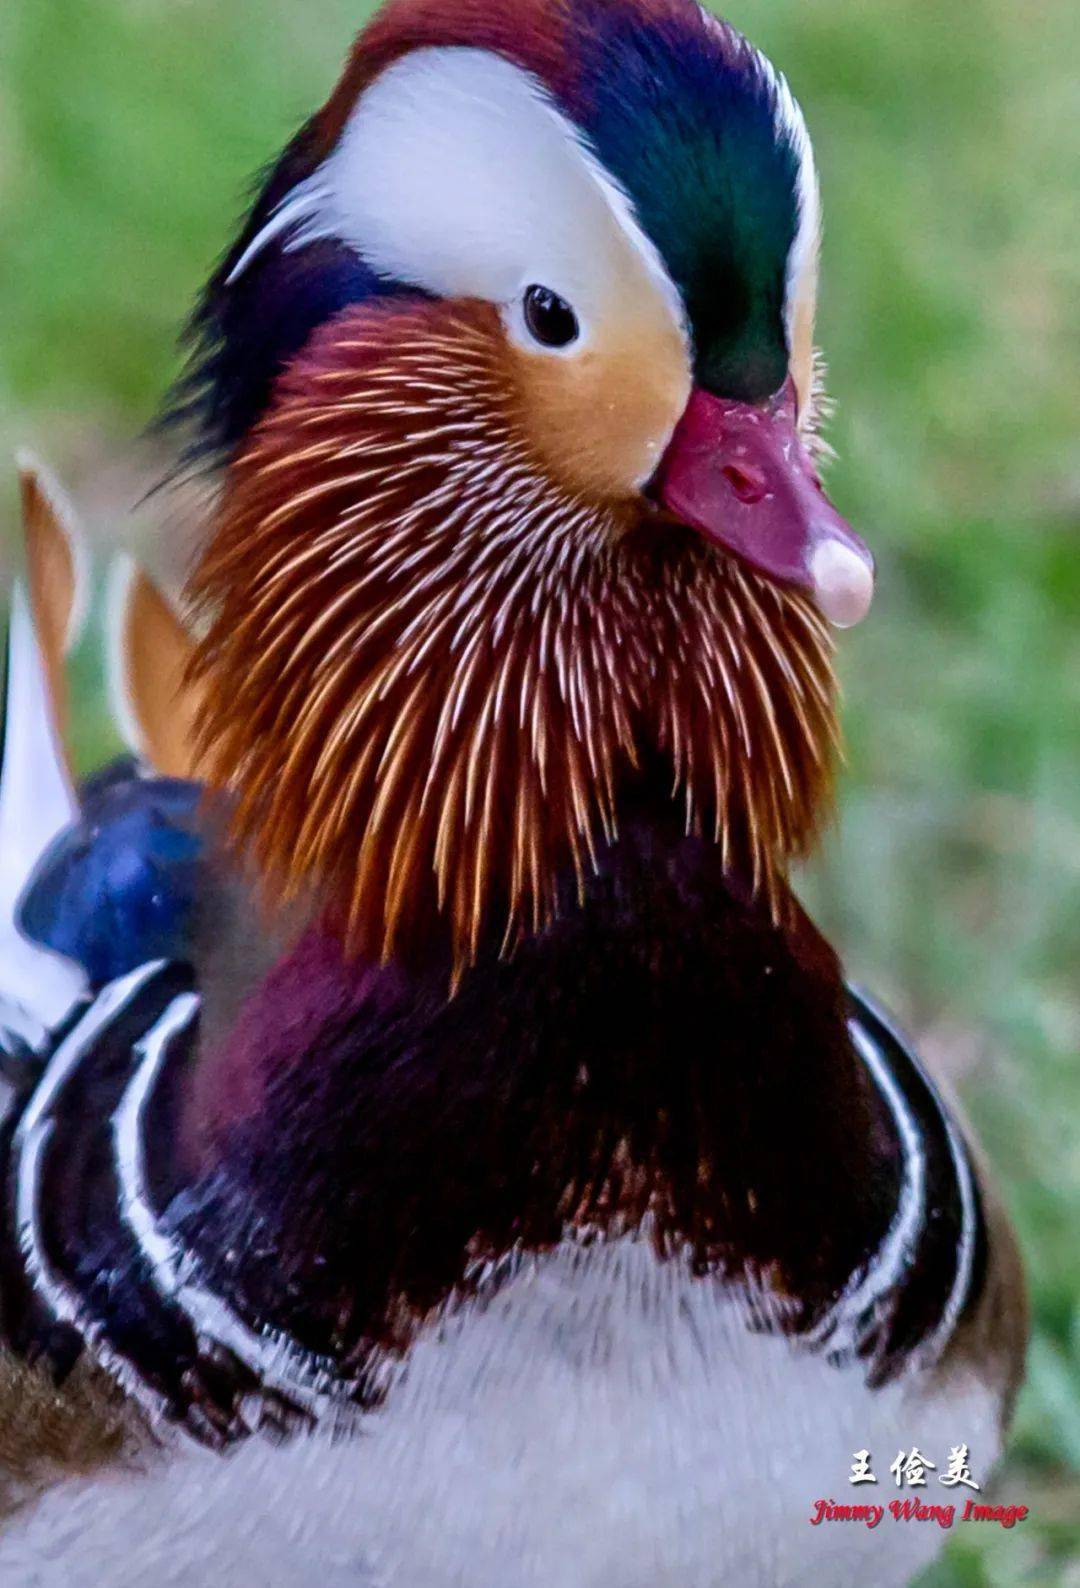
x: 947, y: 138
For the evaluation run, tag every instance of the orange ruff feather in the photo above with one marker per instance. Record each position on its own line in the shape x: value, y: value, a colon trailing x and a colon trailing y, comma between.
x: 428, y: 666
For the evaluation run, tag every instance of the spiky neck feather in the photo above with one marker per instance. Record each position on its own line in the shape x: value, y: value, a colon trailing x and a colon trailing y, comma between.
x: 430, y: 667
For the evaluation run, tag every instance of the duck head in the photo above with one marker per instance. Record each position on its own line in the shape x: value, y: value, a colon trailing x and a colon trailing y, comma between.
x: 512, y: 377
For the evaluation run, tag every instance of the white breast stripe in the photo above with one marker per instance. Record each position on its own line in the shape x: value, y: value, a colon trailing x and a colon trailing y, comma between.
x: 851, y: 1319
x: 109, y: 1003
x: 274, y: 1357
x: 932, y: 1347
x: 965, y: 1257
x: 127, y: 1137
x: 29, y: 1142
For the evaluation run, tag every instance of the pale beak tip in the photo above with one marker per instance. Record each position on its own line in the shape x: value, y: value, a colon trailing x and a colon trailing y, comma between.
x: 843, y: 583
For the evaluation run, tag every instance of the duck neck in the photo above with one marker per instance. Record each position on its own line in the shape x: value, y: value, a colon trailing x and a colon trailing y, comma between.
x: 662, y: 1057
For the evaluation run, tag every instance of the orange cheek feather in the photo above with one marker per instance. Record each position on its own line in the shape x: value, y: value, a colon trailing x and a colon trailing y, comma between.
x: 600, y: 419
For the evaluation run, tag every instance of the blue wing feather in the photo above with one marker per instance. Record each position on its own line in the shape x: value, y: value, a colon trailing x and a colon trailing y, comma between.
x: 119, y: 886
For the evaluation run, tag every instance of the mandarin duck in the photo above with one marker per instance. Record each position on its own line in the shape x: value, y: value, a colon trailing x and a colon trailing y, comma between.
x: 439, y: 1149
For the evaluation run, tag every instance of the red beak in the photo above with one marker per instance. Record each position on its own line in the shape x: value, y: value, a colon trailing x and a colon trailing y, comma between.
x: 741, y: 475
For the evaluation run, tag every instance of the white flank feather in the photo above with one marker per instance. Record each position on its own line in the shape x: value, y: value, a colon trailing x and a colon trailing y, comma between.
x: 36, y: 802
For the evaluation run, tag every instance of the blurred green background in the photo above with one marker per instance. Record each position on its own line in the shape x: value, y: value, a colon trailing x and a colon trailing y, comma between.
x: 947, y: 136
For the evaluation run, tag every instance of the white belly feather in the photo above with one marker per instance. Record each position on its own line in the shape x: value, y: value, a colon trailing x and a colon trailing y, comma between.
x: 605, y: 1421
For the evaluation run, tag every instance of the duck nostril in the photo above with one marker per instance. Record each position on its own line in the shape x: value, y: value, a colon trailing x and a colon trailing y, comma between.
x: 747, y: 483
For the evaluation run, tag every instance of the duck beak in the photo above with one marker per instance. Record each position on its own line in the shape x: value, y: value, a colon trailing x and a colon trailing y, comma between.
x: 741, y: 476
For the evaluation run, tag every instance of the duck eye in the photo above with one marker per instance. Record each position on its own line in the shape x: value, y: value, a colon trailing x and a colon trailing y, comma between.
x: 550, y: 319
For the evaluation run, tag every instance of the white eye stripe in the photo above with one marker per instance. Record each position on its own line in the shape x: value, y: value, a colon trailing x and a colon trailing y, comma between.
x: 456, y: 174
x: 802, y: 258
